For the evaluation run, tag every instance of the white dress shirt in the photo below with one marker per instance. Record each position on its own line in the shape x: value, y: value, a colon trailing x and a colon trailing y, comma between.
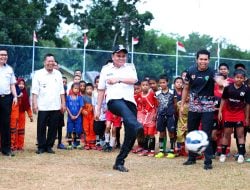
x: 48, y: 87
x: 118, y: 90
x: 7, y: 77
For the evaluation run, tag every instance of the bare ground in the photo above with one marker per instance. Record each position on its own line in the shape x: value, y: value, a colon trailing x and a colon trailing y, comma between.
x: 82, y: 169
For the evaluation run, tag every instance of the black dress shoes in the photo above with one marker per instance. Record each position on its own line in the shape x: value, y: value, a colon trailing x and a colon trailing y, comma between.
x: 120, y: 168
x: 208, y: 166
x: 10, y: 153
x: 189, y: 162
x: 40, y: 151
x: 50, y: 151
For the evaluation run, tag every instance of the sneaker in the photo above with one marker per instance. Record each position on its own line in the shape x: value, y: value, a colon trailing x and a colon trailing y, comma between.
x: 143, y: 153
x: 69, y: 147
x: 240, y: 159
x: 79, y: 147
x: 107, y: 148
x: 236, y: 156
x: 98, y: 147
x: 151, y: 154
x: 87, y: 147
x: 169, y: 151
x: 223, y: 158
x: 171, y: 155
x: 137, y: 149
x: 160, y: 155
x: 60, y: 146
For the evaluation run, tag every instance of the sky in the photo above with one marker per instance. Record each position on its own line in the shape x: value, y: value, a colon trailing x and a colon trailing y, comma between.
x: 227, y: 19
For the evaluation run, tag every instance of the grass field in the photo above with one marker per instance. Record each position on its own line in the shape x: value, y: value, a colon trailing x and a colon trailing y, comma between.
x: 82, y: 169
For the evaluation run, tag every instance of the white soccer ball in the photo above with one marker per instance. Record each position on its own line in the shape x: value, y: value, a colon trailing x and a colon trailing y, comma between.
x: 196, y: 141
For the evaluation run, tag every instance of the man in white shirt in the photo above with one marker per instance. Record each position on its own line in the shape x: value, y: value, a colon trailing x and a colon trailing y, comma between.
x: 48, y: 101
x: 8, y: 96
x: 117, y: 81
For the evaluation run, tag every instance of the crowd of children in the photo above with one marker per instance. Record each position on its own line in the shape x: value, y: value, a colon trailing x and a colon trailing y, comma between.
x: 158, y: 107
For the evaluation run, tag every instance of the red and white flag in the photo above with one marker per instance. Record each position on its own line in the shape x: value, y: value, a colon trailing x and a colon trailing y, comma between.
x: 135, y: 41
x: 180, y: 47
x: 34, y: 37
x: 85, y: 40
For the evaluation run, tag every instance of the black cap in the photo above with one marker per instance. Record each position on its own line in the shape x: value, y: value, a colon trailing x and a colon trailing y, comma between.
x: 119, y: 48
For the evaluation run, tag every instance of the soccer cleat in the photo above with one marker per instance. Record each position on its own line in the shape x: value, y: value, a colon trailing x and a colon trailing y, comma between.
x: 143, y: 153
x: 69, y: 147
x: 137, y: 149
x: 61, y: 146
x: 222, y: 158
x: 171, y: 155
x: 240, y: 159
x: 107, y: 148
x: 151, y: 154
x: 79, y: 147
x: 160, y: 155
x: 87, y: 147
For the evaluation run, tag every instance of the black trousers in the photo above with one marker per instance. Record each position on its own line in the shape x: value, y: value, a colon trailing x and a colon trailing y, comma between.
x: 46, y: 138
x: 5, y: 111
x: 127, y: 110
x: 206, y: 120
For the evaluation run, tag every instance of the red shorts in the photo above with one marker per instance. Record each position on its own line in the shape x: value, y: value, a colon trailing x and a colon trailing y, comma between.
x: 116, y: 120
x: 149, y: 131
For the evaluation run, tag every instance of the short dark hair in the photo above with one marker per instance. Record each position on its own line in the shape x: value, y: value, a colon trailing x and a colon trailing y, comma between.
x: 3, y: 49
x: 178, y: 78
x: 89, y: 84
x: 202, y: 52
x: 47, y: 55
x: 224, y: 64
x: 82, y: 81
x: 163, y: 77
x: 237, y: 65
x: 153, y: 78
x: 96, y: 78
x: 77, y: 70
x: 240, y: 71
x: 75, y: 84
x: 138, y: 83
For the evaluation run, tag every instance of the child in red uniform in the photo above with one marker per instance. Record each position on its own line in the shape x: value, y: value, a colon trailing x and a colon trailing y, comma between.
x: 146, y: 115
x: 24, y: 106
x: 137, y: 91
x: 112, y: 122
x: 234, y: 110
x: 88, y: 118
x: 217, y: 131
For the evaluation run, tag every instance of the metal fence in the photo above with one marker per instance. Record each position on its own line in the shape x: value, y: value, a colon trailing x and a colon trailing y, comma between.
x: 147, y: 64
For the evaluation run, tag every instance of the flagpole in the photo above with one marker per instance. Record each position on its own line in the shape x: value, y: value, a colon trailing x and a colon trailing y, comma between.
x: 176, y: 63
x: 33, y: 56
x: 132, y: 52
x: 218, y: 54
x: 84, y: 64
x: 85, y: 43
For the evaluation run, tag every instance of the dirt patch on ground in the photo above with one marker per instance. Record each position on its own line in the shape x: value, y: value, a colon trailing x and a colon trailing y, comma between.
x: 82, y: 169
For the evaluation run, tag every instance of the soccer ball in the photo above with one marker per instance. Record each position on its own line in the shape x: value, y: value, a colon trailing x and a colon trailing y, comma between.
x: 196, y: 141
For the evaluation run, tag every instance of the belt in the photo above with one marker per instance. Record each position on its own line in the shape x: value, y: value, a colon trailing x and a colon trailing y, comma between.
x: 4, y: 95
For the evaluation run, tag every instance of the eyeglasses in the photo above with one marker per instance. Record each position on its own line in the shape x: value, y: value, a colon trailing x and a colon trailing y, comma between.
x: 4, y: 55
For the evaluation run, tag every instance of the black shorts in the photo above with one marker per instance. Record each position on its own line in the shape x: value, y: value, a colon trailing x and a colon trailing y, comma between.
x: 164, y: 122
x: 230, y: 124
x: 217, y: 125
x: 99, y: 127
